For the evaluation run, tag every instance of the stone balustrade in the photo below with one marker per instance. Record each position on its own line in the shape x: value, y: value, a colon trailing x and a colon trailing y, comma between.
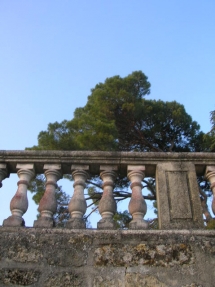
x: 176, y: 174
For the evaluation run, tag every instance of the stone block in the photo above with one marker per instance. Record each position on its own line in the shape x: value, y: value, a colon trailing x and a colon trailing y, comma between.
x: 13, y: 221
x: 138, y: 224
x: 136, y: 168
x: 137, y: 279
x: 76, y: 223
x: 27, y: 166
x: 3, y: 166
x: 108, y: 167
x: 178, y: 199
x: 44, y: 222
x: 106, y: 224
x: 64, y: 279
x: 143, y: 254
x: 69, y: 251
x: 52, y: 166
x: 18, y: 277
x: 108, y: 281
x: 79, y: 167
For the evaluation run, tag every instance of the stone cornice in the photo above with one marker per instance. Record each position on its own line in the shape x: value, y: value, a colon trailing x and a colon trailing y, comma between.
x: 96, y: 158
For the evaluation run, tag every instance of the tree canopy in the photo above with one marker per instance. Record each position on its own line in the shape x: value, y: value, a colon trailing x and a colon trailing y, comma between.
x: 212, y: 131
x: 118, y: 117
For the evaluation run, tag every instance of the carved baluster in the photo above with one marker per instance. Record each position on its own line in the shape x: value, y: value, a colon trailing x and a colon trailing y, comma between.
x: 137, y: 206
x: 107, y: 204
x: 48, y: 203
x: 77, y: 205
x: 19, y: 203
x: 3, y: 172
x: 210, y: 175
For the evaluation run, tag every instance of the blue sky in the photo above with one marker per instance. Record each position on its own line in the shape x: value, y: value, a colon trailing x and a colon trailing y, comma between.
x: 53, y: 52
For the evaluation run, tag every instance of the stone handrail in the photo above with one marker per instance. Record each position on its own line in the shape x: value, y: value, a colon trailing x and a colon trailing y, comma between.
x: 177, y: 190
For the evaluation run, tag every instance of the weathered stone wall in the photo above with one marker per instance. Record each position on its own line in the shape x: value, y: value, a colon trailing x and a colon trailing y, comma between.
x: 62, y: 257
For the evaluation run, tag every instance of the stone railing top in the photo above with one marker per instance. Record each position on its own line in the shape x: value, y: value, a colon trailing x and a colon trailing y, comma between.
x: 97, y: 158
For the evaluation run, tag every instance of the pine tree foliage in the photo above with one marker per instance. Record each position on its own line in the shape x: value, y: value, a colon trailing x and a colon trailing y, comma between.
x: 212, y: 132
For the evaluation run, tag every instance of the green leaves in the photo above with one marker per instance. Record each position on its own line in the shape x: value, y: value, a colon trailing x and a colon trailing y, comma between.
x: 122, y: 219
x: 118, y: 117
x: 165, y: 126
x: 37, y: 186
x: 212, y: 132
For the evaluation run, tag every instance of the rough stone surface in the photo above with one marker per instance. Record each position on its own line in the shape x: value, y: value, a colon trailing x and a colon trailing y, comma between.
x: 99, y: 258
x: 136, y: 279
x: 44, y: 222
x: 178, y: 196
x: 63, y: 279
x: 18, y: 277
x: 138, y: 224
x: 144, y: 254
x: 105, y: 224
x: 76, y: 223
x: 107, y: 281
x: 95, y: 159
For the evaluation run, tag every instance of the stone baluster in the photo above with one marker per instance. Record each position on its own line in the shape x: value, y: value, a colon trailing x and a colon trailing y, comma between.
x: 19, y: 203
x: 137, y: 205
x: 77, y: 205
x: 48, y: 203
x: 3, y: 172
x: 210, y: 175
x: 107, y: 204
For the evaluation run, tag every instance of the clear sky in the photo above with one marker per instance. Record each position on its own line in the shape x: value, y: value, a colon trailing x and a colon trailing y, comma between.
x: 53, y: 52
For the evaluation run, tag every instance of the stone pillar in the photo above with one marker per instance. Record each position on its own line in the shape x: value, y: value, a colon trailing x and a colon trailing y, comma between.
x: 210, y: 175
x: 77, y: 205
x: 48, y: 203
x: 137, y: 206
x: 107, y: 204
x: 177, y: 193
x: 19, y: 203
x: 3, y: 172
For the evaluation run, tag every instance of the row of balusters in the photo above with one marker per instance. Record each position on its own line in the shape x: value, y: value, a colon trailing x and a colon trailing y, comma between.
x: 77, y: 205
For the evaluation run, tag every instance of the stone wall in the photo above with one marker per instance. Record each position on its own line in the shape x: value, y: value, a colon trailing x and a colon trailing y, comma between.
x: 62, y: 257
